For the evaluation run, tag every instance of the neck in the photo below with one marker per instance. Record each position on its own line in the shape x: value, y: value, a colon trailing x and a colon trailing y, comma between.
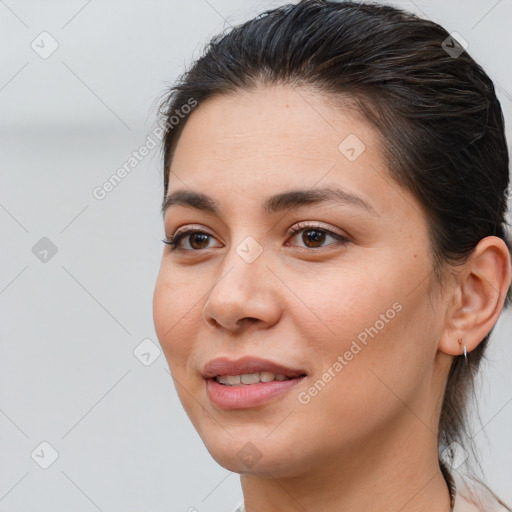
x: 401, y: 473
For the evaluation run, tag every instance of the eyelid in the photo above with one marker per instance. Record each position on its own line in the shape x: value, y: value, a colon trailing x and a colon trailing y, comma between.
x: 302, y: 225
x: 183, y: 232
x: 191, y: 227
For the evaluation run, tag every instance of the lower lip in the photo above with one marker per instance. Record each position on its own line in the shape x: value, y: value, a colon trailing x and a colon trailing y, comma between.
x: 247, y: 395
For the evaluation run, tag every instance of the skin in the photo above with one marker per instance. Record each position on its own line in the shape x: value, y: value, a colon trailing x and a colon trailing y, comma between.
x: 368, y: 439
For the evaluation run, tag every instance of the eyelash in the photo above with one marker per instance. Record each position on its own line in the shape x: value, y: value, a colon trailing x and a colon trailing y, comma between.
x: 315, y: 227
x: 174, y: 241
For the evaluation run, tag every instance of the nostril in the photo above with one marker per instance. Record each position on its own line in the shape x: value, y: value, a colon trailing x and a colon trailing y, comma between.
x: 249, y: 320
x: 246, y: 321
x: 214, y: 322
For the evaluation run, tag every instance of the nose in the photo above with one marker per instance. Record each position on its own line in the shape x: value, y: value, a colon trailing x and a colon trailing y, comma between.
x: 245, y: 294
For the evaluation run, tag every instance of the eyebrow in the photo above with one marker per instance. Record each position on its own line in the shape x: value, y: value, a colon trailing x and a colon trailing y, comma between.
x: 276, y: 203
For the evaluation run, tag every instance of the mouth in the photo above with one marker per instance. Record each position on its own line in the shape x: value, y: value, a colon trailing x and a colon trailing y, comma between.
x: 248, y: 382
x: 248, y: 370
x: 247, y: 379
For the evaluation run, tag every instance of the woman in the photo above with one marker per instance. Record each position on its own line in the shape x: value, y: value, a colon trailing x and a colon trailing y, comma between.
x: 335, y: 259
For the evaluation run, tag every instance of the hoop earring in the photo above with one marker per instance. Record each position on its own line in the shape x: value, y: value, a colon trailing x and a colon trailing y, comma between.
x: 465, y: 350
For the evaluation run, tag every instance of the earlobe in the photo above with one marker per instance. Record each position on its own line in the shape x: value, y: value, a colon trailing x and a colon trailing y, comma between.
x: 479, y: 296
x: 464, y: 348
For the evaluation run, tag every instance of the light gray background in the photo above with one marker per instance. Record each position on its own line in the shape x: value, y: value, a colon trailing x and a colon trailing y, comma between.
x: 68, y: 374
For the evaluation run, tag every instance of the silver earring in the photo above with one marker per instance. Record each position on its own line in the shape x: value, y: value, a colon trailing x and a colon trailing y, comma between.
x: 465, y: 350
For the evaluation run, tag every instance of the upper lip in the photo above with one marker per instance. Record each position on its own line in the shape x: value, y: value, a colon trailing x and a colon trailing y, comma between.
x: 225, y: 366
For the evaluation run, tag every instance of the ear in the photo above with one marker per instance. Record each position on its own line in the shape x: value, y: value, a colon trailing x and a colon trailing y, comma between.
x: 481, y: 287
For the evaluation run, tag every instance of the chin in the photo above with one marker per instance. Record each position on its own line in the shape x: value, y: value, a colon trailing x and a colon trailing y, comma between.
x: 252, y: 455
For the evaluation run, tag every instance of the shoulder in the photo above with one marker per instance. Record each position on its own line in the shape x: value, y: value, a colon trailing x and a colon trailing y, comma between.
x: 471, y: 495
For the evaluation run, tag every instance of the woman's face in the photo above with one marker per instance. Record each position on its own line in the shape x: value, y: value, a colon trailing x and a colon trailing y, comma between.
x: 341, y: 304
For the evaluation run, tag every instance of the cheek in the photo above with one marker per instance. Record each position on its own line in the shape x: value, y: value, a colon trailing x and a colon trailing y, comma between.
x: 370, y: 331
x: 360, y: 387
x: 345, y: 304
x: 176, y: 313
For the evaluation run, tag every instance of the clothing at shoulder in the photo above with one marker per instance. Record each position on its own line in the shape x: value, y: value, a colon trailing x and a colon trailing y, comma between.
x: 472, y: 496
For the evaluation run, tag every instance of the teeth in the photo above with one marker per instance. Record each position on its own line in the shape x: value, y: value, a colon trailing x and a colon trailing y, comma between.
x: 266, y: 377
x: 233, y: 380
x: 249, y: 378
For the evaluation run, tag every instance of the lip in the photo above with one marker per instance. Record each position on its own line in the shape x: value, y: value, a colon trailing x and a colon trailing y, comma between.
x: 247, y: 396
x: 248, y: 364
x: 251, y: 395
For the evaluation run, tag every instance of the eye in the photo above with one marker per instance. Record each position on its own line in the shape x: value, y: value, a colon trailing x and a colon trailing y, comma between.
x: 194, y: 240
x: 315, y: 236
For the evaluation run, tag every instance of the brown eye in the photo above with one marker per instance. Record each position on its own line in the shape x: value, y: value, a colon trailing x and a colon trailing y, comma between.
x: 198, y: 240
x: 313, y: 237
x: 191, y: 240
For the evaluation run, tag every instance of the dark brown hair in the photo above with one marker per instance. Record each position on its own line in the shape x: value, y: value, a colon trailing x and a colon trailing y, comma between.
x: 436, y: 110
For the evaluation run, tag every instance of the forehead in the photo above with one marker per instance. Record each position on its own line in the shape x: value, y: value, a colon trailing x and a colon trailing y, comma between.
x: 278, y: 120
x: 253, y: 144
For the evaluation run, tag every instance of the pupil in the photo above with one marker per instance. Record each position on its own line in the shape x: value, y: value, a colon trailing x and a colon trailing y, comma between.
x: 313, y: 238
x: 199, y: 240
